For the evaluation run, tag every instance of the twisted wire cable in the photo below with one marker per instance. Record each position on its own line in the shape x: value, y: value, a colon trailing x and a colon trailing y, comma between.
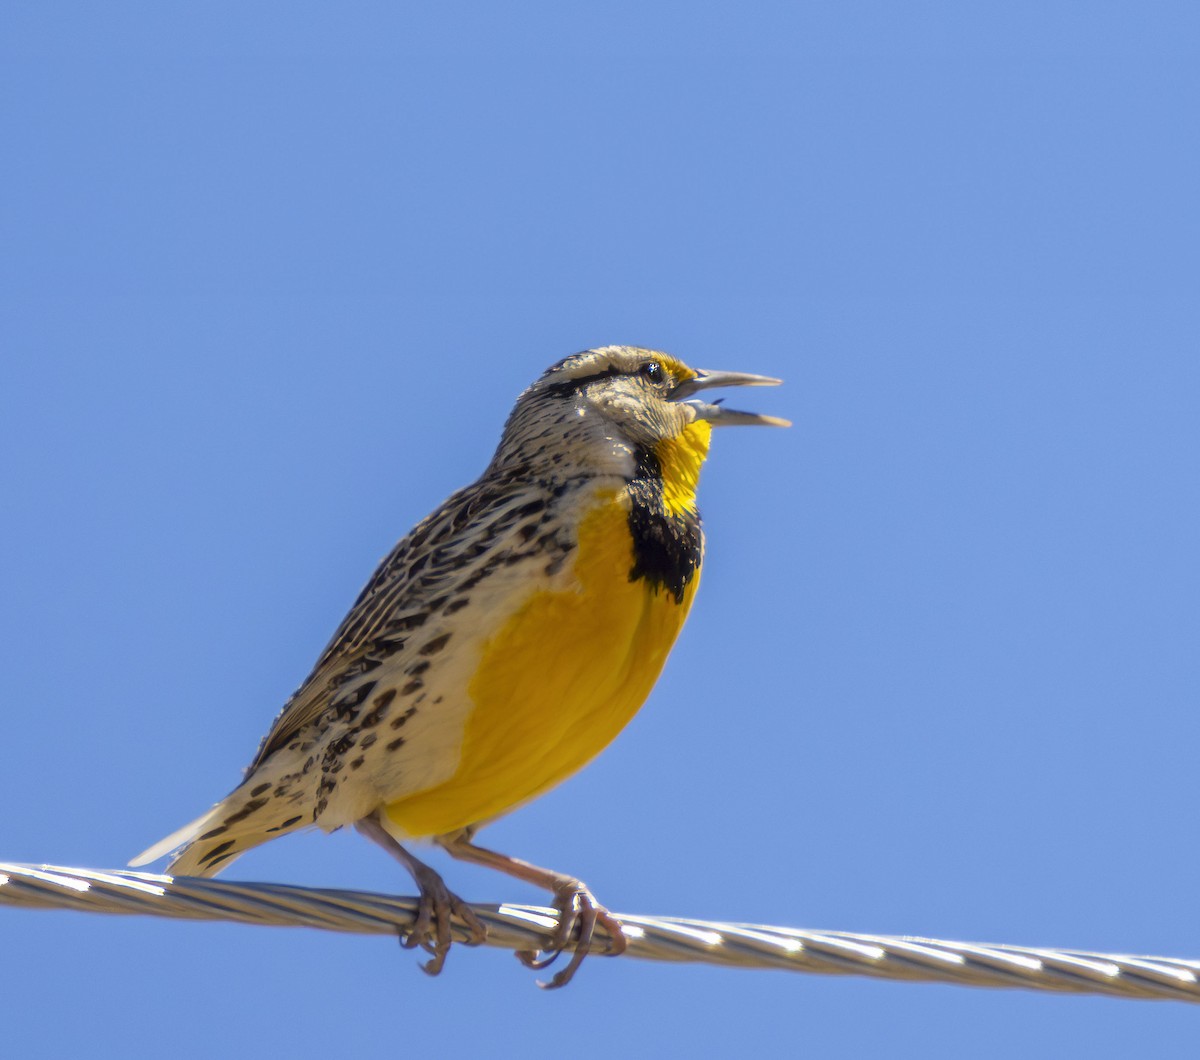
x: 523, y: 927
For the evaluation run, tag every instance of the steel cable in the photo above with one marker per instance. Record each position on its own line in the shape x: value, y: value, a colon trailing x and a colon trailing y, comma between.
x: 521, y: 927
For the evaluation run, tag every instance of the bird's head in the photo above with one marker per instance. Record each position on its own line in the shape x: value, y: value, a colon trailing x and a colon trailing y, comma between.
x: 600, y: 410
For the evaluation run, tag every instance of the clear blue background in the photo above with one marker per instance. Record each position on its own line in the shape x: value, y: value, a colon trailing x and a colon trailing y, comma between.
x: 272, y: 277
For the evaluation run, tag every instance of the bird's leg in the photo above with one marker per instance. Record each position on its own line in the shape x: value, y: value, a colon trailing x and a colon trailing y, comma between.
x: 578, y: 910
x: 437, y: 904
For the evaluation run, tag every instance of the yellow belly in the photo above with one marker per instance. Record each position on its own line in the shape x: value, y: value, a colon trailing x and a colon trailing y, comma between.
x: 556, y: 684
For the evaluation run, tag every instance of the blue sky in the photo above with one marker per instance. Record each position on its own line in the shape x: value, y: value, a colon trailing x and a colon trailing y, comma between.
x: 273, y: 275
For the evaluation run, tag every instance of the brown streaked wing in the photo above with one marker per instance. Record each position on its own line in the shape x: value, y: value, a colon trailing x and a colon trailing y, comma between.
x: 399, y: 588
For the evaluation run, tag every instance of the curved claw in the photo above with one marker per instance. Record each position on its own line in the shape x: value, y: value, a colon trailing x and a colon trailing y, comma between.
x: 531, y: 960
x: 436, y: 911
x: 477, y: 932
x: 579, y: 913
x: 422, y: 928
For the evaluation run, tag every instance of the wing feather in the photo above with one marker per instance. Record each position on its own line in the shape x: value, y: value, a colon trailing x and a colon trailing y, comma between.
x: 423, y: 567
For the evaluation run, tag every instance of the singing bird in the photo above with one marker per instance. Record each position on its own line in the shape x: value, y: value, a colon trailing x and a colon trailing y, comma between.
x: 501, y: 645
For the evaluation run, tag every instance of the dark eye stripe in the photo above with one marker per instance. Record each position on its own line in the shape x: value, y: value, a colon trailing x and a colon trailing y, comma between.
x: 652, y: 371
x: 569, y: 386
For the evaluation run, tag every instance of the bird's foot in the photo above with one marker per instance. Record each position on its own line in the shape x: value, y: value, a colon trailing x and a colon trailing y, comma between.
x: 437, y: 906
x: 578, y: 916
x: 437, y: 909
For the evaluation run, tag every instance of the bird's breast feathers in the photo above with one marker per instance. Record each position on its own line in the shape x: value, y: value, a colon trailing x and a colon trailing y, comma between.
x: 553, y: 654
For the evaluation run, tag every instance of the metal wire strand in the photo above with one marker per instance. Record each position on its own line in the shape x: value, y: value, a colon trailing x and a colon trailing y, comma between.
x: 521, y: 927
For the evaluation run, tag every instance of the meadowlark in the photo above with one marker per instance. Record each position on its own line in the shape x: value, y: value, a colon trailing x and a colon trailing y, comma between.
x: 501, y: 645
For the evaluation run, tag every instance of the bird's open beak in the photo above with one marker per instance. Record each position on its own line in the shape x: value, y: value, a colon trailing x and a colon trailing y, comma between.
x: 718, y: 415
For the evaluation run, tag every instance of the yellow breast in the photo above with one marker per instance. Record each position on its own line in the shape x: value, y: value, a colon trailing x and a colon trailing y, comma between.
x: 556, y: 683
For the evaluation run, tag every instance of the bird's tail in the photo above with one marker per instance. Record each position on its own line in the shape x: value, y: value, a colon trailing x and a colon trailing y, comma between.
x: 249, y: 815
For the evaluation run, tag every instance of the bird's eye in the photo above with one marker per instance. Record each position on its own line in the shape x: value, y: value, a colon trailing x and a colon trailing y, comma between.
x: 653, y: 371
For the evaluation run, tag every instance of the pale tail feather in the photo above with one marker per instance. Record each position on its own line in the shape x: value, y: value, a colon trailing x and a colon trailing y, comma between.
x: 238, y: 822
x: 176, y: 839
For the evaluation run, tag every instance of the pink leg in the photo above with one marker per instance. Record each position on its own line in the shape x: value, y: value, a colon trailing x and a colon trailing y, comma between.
x: 579, y: 912
x: 437, y: 907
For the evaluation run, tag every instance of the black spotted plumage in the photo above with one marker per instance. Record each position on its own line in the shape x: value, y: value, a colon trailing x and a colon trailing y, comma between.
x: 439, y: 560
